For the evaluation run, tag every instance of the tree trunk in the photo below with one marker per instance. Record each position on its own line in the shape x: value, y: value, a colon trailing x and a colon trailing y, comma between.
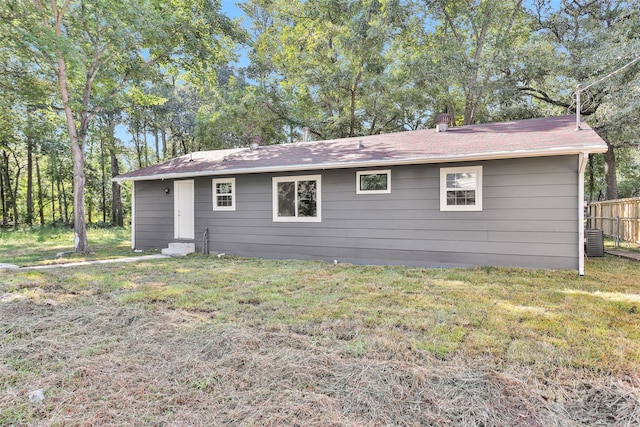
x: 157, y: 141
x: 59, y: 196
x: 116, y: 197
x: 610, y: 176
x: 592, y: 184
x: 4, y: 212
x: 174, y: 149
x: 40, y: 192
x: 79, y: 225
x: 610, y: 172
x: 80, y: 243
x: 116, y: 204
x: 53, y: 203
x: 9, y: 195
x: 3, y: 195
x: 146, y: 145
x: 136, y: 139
x: 14, y: 195
x: 164, y: 143
x: 65, y: 203
x: 29, y: 218
x: 103, y: 180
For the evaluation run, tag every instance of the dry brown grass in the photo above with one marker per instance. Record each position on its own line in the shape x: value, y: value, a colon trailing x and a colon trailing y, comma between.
x: 104, y: 363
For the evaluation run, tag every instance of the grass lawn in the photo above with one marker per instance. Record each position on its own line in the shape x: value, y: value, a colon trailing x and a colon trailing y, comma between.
x: 207, y: 341
x: 625, y: 246
x: 39, y: 246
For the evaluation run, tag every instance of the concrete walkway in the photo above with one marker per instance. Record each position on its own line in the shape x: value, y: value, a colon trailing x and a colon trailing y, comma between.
x: 77, y: 264
x: 624, y: 254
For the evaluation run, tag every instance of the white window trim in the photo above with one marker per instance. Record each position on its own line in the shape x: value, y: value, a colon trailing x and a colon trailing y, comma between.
x: 443, y: 189
x: 231, y: 181
x: 373, y: 172
x: 317, y: 179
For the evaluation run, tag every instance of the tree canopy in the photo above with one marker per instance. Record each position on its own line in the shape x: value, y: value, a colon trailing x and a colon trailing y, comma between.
x: 90, y: 89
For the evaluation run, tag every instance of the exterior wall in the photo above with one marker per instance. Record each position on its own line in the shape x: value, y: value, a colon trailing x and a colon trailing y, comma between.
x: 529, y: 218
x: 153, y: 214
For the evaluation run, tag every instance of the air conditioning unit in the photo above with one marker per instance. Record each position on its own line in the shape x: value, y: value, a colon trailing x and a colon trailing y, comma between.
x: 594, y: 245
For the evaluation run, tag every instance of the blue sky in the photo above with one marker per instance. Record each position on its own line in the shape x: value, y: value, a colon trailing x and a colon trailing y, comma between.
x: 230, y: 8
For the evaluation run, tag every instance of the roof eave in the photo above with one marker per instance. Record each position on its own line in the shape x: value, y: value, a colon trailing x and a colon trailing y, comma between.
x: 496, y: 155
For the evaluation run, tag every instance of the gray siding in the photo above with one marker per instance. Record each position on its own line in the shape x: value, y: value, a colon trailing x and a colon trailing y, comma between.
x: 529, y: 218
x: 154, y: 214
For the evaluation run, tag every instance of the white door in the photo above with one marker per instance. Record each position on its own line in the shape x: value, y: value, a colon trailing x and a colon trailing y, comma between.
x: 183, y: 209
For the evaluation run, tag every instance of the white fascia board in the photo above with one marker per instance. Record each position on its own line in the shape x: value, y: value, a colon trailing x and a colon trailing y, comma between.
x: 474, y: 157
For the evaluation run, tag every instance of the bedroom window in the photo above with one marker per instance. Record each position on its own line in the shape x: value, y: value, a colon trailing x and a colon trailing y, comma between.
x: 296, y: 198
x: 373, y: 182
x: 461, y: 189
x: 224, y: 194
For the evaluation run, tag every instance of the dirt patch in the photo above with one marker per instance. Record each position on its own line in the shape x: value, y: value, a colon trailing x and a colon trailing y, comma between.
x: 102, y: 363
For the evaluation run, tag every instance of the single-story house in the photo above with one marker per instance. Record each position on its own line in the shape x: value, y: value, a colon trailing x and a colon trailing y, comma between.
x: 497, y: 194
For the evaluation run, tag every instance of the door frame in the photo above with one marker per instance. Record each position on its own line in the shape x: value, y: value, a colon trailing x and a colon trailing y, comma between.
x: 183, y: 210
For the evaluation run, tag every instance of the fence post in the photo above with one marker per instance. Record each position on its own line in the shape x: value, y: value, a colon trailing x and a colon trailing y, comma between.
x: 617, y: 232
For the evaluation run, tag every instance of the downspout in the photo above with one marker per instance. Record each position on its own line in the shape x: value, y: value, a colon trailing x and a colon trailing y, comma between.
x: 583, y: 159
x: 133, y: 215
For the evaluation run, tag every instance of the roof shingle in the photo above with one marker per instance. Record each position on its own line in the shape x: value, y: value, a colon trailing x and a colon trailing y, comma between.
x: 524, y: 138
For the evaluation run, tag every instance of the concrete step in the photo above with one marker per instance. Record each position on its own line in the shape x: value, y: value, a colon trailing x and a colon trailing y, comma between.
x: 179, y: 249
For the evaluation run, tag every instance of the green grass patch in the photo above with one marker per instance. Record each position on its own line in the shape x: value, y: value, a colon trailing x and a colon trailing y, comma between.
x: 41, y: 245
x: 610, y: 243
x: 164, y: 340
x: 538, y: 318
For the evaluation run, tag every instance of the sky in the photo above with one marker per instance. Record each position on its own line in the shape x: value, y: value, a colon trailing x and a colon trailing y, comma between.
x: 231, y: 9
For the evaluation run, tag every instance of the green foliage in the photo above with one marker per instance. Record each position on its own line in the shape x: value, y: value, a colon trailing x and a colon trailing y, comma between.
x: 594, y: 44
x: 334, y: 66
x: 472, y: 45
x: 162, y: 72
x: 80, y: 56
x: 629, y: 172
x: 239, y: 111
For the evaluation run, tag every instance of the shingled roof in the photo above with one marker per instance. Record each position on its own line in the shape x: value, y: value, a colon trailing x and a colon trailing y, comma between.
x: 549, y: 136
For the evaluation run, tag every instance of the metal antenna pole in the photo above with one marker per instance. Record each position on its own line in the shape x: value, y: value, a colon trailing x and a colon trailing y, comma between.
x: 578, y: 90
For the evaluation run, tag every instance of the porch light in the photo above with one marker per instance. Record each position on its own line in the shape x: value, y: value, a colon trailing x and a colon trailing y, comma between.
x: 167, y: 190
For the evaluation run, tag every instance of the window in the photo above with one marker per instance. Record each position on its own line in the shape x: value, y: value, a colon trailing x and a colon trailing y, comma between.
x: 224, y: 194
x: 296, y: 198
x: 461, y: 189
x: 373, y: 182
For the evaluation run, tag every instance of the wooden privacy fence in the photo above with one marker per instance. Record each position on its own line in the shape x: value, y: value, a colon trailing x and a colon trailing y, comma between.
x: 619, y: 218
